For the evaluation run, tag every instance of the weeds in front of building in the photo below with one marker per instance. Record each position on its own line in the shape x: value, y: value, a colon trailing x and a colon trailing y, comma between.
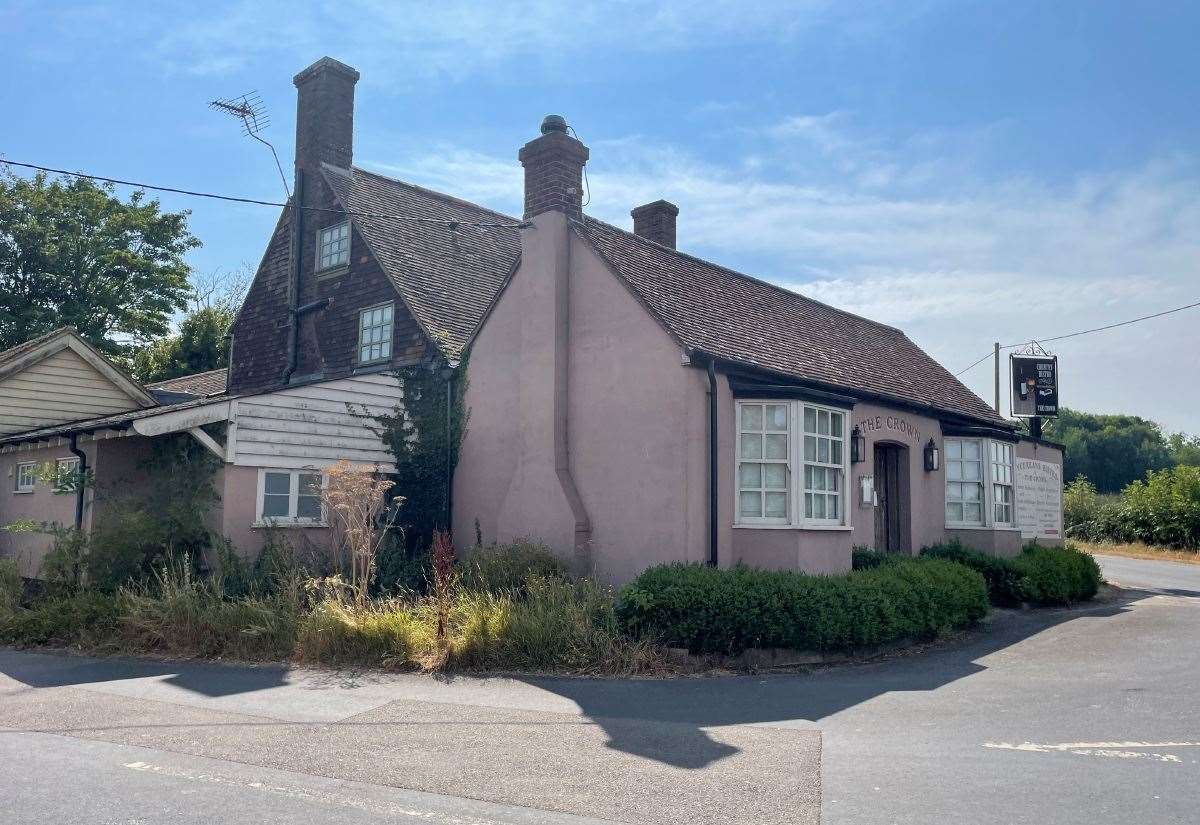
x: 511, y: 607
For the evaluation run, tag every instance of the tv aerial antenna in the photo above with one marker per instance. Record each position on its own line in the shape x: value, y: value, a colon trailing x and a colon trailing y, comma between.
x: 252, y: 112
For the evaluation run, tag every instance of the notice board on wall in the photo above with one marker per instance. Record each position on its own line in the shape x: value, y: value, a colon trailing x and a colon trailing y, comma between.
x: 1039, y: 498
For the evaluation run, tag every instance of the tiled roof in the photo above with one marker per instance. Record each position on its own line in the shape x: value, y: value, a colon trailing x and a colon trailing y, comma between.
x: 200, y: 383
x: 106, y: 422
x: 446, y: 278
x: 738, y: 318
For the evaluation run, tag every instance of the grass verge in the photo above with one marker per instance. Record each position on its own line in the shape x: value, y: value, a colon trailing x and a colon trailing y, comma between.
x: 1139, y: 551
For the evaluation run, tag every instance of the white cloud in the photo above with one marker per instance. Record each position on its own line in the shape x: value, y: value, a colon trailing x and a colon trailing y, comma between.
x: 961, y: 265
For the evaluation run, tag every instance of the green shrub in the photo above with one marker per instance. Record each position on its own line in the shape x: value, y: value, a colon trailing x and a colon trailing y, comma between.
x: 12, y: 586
x: 502, y: 568
x: 866, y: 558
x: 1164, y: 509
x: 712, y: 610
x: 85, y: 619
x: 1003, y: 579
x: 1056, y: 575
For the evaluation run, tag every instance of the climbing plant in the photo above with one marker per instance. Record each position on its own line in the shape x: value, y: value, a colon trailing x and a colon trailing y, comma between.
x: 426, y: 452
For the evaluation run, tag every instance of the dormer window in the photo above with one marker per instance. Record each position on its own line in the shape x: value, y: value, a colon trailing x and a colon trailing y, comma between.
x: 375, y: 334
x: 333, y: 246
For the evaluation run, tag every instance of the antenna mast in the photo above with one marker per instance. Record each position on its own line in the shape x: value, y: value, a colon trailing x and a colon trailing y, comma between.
x: 252, y: 112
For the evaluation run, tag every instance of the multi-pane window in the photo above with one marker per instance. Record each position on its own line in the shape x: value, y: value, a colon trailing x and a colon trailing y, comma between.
x: 784, y: 440
x: 824, y: 436
x: 375, y: 334
x: 66, y: 475
x: 964, y: 481
x: 290, y: 496
x: 333, y: 246
x: 25, y: 477
x: 1002, y: 482
x: 763, y: 456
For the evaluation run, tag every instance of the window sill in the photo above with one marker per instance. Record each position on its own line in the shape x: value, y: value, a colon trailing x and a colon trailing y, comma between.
x: 333, y: 272
x: 988, y: 528
x: 368, y: 367
x: 836, y: 528
x: 22, y: 492
x: 287, y: 524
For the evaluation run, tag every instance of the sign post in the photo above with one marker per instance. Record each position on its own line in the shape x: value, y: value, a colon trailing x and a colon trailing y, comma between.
x: 1034, y: 388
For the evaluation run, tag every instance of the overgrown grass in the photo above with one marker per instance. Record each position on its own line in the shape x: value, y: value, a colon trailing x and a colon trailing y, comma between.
x: 1138, y: 550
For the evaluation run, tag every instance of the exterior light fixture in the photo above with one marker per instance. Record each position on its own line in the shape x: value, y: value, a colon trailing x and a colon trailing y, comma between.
x: 858, y: 446
x: 933, y: 457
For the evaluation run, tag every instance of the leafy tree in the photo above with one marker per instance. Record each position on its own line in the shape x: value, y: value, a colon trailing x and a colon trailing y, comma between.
x: 72, y: 253
x: 202, y: 342
x: 1185, y: 449
x: 1111, y: 450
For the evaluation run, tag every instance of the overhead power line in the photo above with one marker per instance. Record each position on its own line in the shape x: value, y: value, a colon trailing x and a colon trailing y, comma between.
x: 234, y: 199
x: 990, y: 353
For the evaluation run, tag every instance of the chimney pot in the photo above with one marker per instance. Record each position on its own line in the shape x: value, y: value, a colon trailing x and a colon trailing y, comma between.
x: 554, y: 123
x: 656, y: 222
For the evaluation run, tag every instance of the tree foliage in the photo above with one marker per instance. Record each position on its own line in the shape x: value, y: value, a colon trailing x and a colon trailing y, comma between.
x: 201, y: 344
x: 74, y: 254
x: 1111, y: 450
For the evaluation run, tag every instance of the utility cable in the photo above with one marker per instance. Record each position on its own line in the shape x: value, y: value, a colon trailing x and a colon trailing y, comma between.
x: 403, y: 218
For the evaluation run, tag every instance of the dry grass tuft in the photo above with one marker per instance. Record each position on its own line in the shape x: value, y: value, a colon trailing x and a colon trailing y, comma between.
x: 1139, y: 551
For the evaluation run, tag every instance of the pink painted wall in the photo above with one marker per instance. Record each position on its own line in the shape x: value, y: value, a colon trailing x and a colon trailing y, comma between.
x: 42, y: 505
x: 235, y: 519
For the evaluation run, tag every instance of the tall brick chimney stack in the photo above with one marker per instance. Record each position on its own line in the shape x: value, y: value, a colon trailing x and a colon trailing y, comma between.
x: 656, y: 222
x: 553, y: 170
x: 325, y: 114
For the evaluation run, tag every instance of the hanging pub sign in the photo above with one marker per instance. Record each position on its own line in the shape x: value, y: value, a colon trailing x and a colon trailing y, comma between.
x: 1034, y: 385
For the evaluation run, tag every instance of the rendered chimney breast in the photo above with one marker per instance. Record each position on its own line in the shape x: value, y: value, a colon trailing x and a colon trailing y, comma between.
x: 554, y: 123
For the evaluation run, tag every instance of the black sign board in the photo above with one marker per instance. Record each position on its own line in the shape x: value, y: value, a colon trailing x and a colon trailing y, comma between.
x: 1034, y: 385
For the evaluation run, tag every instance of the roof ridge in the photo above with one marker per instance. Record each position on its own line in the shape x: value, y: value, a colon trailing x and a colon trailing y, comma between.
x: 435, y: 193
x: 36, y: 341
x: 789, y: 292
x: 189, y: 375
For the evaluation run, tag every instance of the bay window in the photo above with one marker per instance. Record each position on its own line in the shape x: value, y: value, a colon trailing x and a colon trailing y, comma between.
x: 979, y: 483
x: 780, y: 442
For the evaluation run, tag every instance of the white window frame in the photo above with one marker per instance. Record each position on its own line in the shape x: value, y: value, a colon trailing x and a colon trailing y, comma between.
x: 291, y: 519
x: 794, y: 461
x: 989, y: 466
x: 389, y: 341
x: 1001, y: 455
x: 21, y: 482
x: 331, y: 236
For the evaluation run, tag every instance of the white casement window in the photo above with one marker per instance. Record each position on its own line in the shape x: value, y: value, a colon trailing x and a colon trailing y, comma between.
x: 26, y: 475
x: 964, y: 482
x: 1002, y: 483
x: 791, y: 464
x: 290, y: 497
x: 66, y: 475
x: 375, y: 334
x: 333, y: 246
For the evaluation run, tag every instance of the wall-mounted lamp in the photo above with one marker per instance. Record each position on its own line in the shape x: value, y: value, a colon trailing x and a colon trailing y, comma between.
x: 858, y: 446
x: 933, y: 457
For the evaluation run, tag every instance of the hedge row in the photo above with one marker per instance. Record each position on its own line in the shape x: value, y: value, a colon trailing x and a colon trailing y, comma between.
x: 1039, y: 575
x: 710, y: 610
x: 1164, y: 509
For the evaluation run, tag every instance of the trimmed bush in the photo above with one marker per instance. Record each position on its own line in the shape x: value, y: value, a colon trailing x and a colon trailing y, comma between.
x: 502, y: 568
x: 710, y: 610
x: 1056, y: 575
x: 1003, y: 579
x: 865, y: 558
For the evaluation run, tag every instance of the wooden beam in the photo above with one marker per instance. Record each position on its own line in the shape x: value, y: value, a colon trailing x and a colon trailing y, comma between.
x: 209, y: 442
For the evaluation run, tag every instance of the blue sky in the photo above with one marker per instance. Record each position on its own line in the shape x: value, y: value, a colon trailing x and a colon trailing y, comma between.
x: 967, y: 171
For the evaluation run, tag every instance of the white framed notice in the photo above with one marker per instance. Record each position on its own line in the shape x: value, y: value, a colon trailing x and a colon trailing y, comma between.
x: 1039, y: 499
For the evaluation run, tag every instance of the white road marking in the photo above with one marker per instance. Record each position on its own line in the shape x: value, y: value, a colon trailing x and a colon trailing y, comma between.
x: 1111, y: 750
x: 295, y: 792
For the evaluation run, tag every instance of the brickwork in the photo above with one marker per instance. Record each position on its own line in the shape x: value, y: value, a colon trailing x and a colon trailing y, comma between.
x: 554, y: 174
x: 656, y: 222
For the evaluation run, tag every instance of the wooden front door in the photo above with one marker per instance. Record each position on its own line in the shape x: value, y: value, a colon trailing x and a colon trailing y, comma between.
x: 892, y: 517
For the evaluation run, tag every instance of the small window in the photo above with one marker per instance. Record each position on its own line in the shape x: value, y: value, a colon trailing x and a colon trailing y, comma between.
x: 1002, y: 482
x: 964, y: 482
x: 290, y: 497
x: 333, y: 246
x: 375, y: 334
x: 66, y: 475
x: 26, y: 475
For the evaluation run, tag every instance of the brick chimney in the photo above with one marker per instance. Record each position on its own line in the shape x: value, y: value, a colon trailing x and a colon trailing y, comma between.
x: 325, y: 114
x: 553, y: 170
x: 656, y: 222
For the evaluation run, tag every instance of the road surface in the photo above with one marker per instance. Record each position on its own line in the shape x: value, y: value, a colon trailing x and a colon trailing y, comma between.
x: 1082, y: 716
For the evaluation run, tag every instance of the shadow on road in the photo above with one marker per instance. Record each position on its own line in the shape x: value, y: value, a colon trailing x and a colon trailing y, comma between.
x: 622, y: 707
x: 665, y: 720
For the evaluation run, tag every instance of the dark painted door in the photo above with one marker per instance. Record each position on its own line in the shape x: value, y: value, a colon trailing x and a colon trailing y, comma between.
x: 891, y: 488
